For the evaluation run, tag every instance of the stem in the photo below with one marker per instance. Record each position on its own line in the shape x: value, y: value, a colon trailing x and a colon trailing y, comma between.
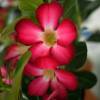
x: 15, y: 90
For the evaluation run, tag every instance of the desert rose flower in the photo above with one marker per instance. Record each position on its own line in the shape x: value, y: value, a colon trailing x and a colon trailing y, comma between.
x: 49, y: 37
x: 15, y: 50
x: 47, y: 76
x: 13, y: 54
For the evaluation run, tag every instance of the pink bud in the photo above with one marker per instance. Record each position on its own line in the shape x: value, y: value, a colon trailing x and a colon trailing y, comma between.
x: 3, y: 71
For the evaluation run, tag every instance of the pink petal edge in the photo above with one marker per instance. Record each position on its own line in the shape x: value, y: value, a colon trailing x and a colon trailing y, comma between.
x: 38, y: 87
x: 51, y: 13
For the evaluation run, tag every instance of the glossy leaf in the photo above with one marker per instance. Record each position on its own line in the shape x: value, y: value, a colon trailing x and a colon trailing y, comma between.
x: 71, y: 10
x: 86, y: 79
x: 80, y: 57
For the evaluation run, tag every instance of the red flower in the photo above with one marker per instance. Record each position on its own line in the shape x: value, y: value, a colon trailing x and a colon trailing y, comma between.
x: 46, y: 76
x: 50, y: 37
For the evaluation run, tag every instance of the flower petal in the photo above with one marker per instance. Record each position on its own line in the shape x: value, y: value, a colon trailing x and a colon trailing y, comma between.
x: 59, y: 89
x: 31, y: 70
x: 52, y: 96
x: 46, y: 62
x: 39, y: 50
x: 68, y: 79
x: 12, y: 51
x: 63, y: 55
x: 38, y: 86
x: 66, y: 32
x: 27, y: 32
x: 48, y: 14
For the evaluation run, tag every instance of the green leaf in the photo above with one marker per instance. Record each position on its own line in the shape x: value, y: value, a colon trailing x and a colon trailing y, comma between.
x: 79, y: 94
x: 28, y: 7
x: 86, y: 79
x: 14, y: 93
x: 71, y: 10
x: 80, y: 57
x: 5, y: 38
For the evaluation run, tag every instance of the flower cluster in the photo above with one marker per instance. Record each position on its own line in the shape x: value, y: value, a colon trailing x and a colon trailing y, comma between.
x: 51, y: 45
x: 49, y: 77
x: 50, y: 42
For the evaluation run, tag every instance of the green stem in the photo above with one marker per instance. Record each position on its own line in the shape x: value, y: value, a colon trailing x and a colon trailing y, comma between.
x: 16, y: 87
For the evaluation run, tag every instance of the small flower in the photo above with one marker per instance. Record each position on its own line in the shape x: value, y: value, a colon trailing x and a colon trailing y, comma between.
x: 13, y: 54
x: 49, y: 37
x: 15, y: 50
x: 47, y: 75
x: 4, y: 76
x: 3, y: 71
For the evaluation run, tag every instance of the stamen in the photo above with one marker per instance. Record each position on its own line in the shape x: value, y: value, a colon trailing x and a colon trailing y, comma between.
x: 49, y: 37
x: 49, y: 74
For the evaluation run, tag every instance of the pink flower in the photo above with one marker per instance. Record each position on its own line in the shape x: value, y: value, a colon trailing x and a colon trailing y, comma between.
x: 15, y: 50
x: 13, y: 54
x: 3, y: 71
x: 55, y: 95
x: 47, y: 75
x: 4, y: 76
x: 50, y: 37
